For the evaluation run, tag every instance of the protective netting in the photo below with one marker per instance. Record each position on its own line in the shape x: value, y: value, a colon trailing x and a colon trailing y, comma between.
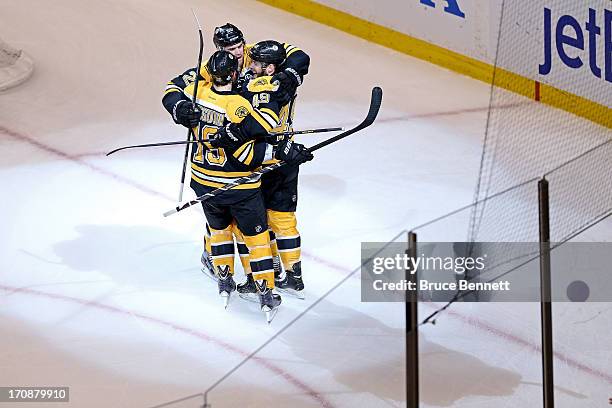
x: 526, y: 138
x: 504, y: 256
x: 15, y: 66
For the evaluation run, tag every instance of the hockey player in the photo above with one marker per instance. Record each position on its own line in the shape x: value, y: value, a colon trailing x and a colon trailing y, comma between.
x: 229, y: 38
x: 223, y: 111
x: 280, y: 186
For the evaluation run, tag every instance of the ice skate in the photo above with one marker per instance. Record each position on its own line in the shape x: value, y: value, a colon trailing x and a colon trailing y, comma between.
x: 269, y: 301
x: 226, y: 284
x: 291, y: 282
x: 247, y: 290
x: 207, y: 266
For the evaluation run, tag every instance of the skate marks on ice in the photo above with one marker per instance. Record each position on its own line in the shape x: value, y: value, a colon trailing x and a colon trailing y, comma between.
x: 139, y: 259
x: 322, y: 183
x: 162, y: 364
x: 100, y: 373
x: 138, y: 255
x: 357, y: 360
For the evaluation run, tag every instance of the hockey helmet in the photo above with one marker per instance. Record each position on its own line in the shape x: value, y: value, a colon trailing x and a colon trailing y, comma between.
x: 227, y: 35
x: 268, y: 52
x: 222, y: 66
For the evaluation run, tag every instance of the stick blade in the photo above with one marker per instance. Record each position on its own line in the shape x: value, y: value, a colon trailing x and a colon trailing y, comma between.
x: 170, y: 212
x: 375, y: 103
x: 114, y: 151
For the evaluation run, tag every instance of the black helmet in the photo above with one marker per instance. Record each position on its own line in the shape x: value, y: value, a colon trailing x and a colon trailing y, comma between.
x: 268, y: 52
x: 226, y: 35
x: 222, y: 66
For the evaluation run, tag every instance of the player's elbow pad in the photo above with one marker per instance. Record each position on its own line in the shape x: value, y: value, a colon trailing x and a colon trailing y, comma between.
x: 169, y: 100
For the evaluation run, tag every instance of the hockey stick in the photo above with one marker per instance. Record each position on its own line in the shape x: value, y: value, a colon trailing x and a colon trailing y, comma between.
x: 180, y: 142
x: 190, y: 134
x: 293, y: 132
x: 375, y: 102
x: 307, y: 131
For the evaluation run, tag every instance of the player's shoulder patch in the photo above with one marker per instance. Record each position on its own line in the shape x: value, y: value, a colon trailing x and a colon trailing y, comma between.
x: 239, y: 107
x: 242, y: 111
x: 262, y: 84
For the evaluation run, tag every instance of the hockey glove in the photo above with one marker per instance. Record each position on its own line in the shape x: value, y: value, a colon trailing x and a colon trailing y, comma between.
x: 292, y: 153
x: 230, y: 137
x: 288, y: 78
x: 244, y: 80
x: 288, y: 81
x: 184, y: 114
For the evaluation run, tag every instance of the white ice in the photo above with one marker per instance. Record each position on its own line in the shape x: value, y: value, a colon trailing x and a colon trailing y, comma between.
x: 99, y: 292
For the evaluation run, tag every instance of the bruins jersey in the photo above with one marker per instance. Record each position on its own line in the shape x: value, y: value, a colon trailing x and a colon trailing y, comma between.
x: 260, y: 92
x: 297, y: 60
x: 215, y: 167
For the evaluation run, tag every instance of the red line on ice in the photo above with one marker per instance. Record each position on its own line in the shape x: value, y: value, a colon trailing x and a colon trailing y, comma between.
x: 202, y: 336
x: 76, y: 159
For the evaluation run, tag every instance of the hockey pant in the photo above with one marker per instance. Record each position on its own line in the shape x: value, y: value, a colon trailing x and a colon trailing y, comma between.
x: 285, y: 238
x: 227, y: 252
x: 257, y: 248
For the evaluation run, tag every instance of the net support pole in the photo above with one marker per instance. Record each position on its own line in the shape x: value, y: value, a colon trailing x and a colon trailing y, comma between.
x: 545, y: 296
x: 412, y: 334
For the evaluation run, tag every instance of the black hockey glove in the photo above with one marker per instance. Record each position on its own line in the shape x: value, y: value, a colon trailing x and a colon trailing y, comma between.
x: 230, y: 137
x: 292, y: 153
x: 184, y: 114
x: 244, y: 80
x: 288, y: 81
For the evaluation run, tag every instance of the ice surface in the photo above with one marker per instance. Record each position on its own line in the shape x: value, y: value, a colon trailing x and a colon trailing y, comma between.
x: 99, y: 292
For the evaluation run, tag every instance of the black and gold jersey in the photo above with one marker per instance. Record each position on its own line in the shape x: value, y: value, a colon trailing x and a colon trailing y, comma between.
x: 297, y: 60
x: 257, y: 111
x: 261, y: 93
x: 214, y: 167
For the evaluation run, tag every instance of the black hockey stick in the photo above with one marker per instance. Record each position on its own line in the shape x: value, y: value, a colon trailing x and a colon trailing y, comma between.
x: 306, y: 131
x: 190, y: 135
x: 375, y: 102
x: 180, y: 142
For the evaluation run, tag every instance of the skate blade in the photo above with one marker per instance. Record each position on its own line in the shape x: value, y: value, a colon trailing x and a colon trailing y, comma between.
x: 249, y: 297
x: 226, y: 299
x: 299, y: 294
x: 209, y: 274
x: 270, y: 313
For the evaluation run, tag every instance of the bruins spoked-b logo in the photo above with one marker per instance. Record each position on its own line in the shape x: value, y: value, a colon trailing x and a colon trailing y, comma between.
x: 242, y: 112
